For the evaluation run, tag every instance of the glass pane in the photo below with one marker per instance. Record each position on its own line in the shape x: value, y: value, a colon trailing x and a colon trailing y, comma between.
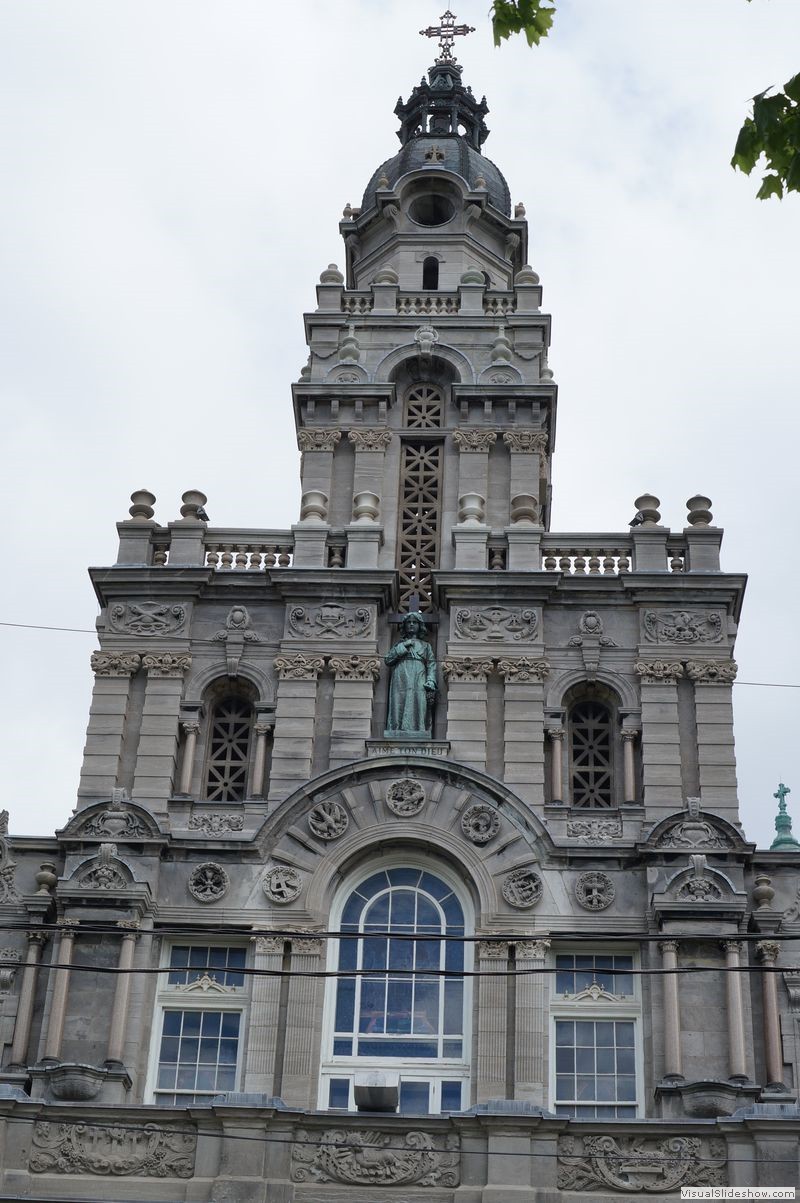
x: 208, y: 1051
x: 565, y: 1087
x: 586, y: 1087
x: 169, y: 1049
x: 398, y: 1048
x: 230, y: 1023
x: 565, y: 1060
x: 452, y: 1048
x: 348, y: 952
x: 584, y: 1033
x: 401, y: 954
x: 626, y: 1087
x: 565, y: 1031
x: 172, y: 1023
x: 428, y: 954
x: 376, y: 916
x: 403, y: 908
x: 625, y: 1034
x: 227, y: 1051
x: 186, y: 1077
x: 166, y: 1077
x: 451, y: 1096
x: 339, y: 1093
x: 191, y: 1023
x: 605, y: 1034
x: 211, y: 1023
x: 414, y: 1098
x: 345, y: 1004
x: 373, y: 997
x: 343, y: 1048
x: 404, y: 877
x: 453, y: 1007
x: 565, y: 983
x: 226, y: 1077
x: 584, y: 1060
x: 398, y: 1010
x: 605, y: 1060
x: 426, y: 1008
x: 606, y: 1089
x: 206, y: 1079
x: 179, y: 956
x: 189, y: 1050
x: 374, y: 954
x: 625, y: 1061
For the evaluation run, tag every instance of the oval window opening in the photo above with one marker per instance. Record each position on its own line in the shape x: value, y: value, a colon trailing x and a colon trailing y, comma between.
x: 431, y: 210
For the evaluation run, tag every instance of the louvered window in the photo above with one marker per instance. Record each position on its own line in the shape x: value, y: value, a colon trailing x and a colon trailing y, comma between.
x: 591, y: 754
x: 418, y: 536
x: 228, y: 756
x: 424, y: 407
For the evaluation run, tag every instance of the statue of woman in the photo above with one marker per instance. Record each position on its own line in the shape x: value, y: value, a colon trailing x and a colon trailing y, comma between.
x: 413, y: 684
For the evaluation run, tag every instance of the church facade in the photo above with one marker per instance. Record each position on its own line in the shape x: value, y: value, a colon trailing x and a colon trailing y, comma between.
x: 407, y: 858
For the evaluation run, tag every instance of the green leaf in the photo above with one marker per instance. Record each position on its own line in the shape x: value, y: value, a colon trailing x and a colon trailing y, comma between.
x: 793, y: 175
x: 748, y: 147
x: 771, y: 186
x: 792, y: 88
x: 530, y: 17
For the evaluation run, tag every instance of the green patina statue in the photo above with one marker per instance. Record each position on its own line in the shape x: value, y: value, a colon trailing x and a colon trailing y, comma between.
x: 412, y: 688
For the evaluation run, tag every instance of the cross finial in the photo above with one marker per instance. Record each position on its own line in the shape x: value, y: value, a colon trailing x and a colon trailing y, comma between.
x: 447, y: 31
x: 780, y: 794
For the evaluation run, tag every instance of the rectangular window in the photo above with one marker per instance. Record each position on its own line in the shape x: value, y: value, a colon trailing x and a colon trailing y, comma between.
x: 610, y: 971
x: 189, y: 963
x: 198, y: 1055
x: 595, y: 1067
x: 417, y: 1095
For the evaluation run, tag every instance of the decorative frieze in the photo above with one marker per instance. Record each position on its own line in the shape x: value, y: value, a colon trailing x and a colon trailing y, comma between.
x: 682, y: 626
x: 594, y: 831
x: 594, y: 891
x: 318, y: 440
x: 712, y: 672
x: 522, y: 888
x: 142, y: 1151
x: 208, y: 882
x: 480, y: 823
x: 328, y: 820
x: 496, y: 624
x: 370, y: 440
x: 405, y: 797
x: 475, y: 439
x: 146, y: 618
x: 216, y: 823
x: 639, y: 1164
x: 282, y: 884
x: 115, y: 664
x: 523, y: 670
x: 167, y: 664
x: 355, y: 668
x: 466, y: 668
x: 659, y: 672
x: 299, y: 667
x: 376, y: 1159
x: 330, y: 620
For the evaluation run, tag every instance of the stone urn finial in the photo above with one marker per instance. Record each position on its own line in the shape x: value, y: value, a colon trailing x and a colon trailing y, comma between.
x: 142, y: 508
x: 192, y: 509
x: 699, y: 511
x: 47, y: 878
x: 647, y: 506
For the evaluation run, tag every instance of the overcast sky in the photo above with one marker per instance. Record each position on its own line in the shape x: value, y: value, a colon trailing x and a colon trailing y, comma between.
x: 174, y: 174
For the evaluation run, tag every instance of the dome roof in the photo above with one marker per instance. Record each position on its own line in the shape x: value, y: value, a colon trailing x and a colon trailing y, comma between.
x: 452, y: 153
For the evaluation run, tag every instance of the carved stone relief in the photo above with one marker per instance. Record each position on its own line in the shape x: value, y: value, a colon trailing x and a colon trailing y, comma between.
x: 590, y: 626
x: 216, y: 824
x: 318, y: 440
x: 682, y: 626
x: 659, y: 672
x: 594, y: 831
x: 523, y: 670
x: 792, y: 912
x: 118, y: 822
x: 299, y: 667
x: 146, y: 618
x: 8, y: 891
x: 8, y: 971
x: 466, y: 668
x: 639, y: 1164
x: 328, y: 820
x: 377, y: 1159
x: 282, y: 884
x: 167, y: 664
x: 522, y: 888
x: 405, y: 797
x: 712, y: 672
x: 355, y: 668
x: 115, y: 664
x: 149, y: 1151
x: 237, y: 631
x: 699, y: 889
x: 104, y: 873
x: 330, y: 620
x: 693, y: 833
x: 208, y: 882
x: 480, y: 823
x: 475, y: 439
x: 370, y: 440
x: 496, y: 624
x: 594, y: 891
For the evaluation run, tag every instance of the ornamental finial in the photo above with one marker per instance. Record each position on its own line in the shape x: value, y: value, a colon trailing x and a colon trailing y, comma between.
x: 447, y: 31
x: 783, y: 822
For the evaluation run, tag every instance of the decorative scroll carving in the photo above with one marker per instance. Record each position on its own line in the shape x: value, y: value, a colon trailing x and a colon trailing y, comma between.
x: 8, y: 971
x: 792, y: 912
x: 682, y: 626
x: 590, y: 626
x: 146, y: 618
x: 370, y: 440
x: 594, y: 831
x: 405, y: 797
x: 530, y: 441
x: 299, y: 667
x: 372, y: 1158
x: 594, y: 891
x: 318, y: 440
x: 146, y: 1151
x: 8, y: 891
x: 532, y: 950
x: 117, y: 822
x: 639, y: 1164
x: 659, y: 672
x: 216, y: 824
x: 355, y: 668
x: 496, y: 624
x: 282, y: 884
x: 240, y: 623
x: 328, y: 820
x: 475, y: 440
x: 712, y: 672
x: 115, y: 664
x: 208, y: 882
x: 523, y: 669
x: 269, y: 945
x: 522, y: 888
x: 466, y: 668
x: 493, y: 950
x: 693, y: 833
x: 699, y: 889
x: 167, y: 664
x: 480, y: 823
x: 330, y: 620
x: 104, y: 874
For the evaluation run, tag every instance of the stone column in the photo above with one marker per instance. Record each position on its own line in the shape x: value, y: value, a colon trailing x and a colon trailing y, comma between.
x: 58, y: 1005
x: 471, y: 535
x: 466, y: 708
x: 673, y: 1064
x: 661, y: 751
x: 528, y: 466
x: 716, y: 759
x: 303, y: 1012
x: 353, y: 691
x: 264, y: 1016
x: 191, y: 730
x: 27, y: 997
x: 523, y: 726
x: 492, y: 1019
x: 629, y: 737
x: 295, y: 719
x: 768, y: 952
x: 530, y: 1064
x: 556, y: 737
x: 316, y: 475
x: 365, y: 534
x: 158, y: 740
x: 107, y: 717
x: 261, y: 730
x: 733, y: 991
x: 122, y: 991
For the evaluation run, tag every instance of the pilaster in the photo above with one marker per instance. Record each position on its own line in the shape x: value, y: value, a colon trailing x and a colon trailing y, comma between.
x: 716, y: 759
x: 523, y: 726
x: 661, y: 752
x: 466, y: 708
x: 158, y: 739
x: 492, y: 1019
x: 295, y: 719
x: 304, y: 1006
x: 265, y: 1015
x: 530, y: 1012
x: 107, y: 717
x: 353, y: 692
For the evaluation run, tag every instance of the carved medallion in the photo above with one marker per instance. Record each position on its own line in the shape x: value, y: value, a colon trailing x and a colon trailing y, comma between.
x: 405, y: 797
x: 146, y: 618
x: 328, y: 820
x: 282, y: 884
x: 480, y: 823
x: 496, y: 624
x: 208, y: 882
x: 377, y: 1159
x: 682, y: 626
x: 594, y: 891
x: 522, y: 888
x: 330, y: 621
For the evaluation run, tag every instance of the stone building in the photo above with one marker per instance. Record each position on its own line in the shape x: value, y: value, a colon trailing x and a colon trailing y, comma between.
x: 315, y: 931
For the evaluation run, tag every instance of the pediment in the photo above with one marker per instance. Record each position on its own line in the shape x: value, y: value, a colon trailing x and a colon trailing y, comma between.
x: 694, y: 831
x: 119, y: 820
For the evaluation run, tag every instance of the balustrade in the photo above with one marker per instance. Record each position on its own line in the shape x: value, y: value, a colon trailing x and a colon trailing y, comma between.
x: 494, y: 304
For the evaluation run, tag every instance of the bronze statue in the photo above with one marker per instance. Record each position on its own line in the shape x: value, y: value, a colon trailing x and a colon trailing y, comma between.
x: 412, y: 688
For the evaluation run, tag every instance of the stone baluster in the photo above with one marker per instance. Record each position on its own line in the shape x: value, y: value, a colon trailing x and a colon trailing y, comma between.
x: 661, y: 752
x: 737, y: 1057
x: 523, y: 725
x: 768, y: 952
x: 304, y: 1005
x: 716, y: 758
x: 265, y: 1015
x: 107, y: 717
x: 471, y: 535
x: 295, y: 722
x: 492, y: 1019
x: 191, y: 730
x: 58, y: 1004
x: 629, y: 737
x: 158, y: 741
x: 530, y: 1069
x: 673, y: 1063
x: 354, y: 680
x: 27, y: 998
x: 262, y: 730
x: 122, y: 991
x: 528, y: 467
x: 316, y: 475
x: 466, y: 708
x: 556, y: 737
x: 365, y: 534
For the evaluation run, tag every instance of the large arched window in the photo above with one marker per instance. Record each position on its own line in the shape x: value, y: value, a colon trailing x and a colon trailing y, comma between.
x: 400, y: 1011
x: 430, y: 273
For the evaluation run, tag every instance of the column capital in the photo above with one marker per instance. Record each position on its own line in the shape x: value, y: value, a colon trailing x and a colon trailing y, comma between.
x: 268, y: 945
x: 556, y: 734
x: 523, y: 669
x: 299, y: 667
x: 167, y: 664
x: 466, y: 668
x: 355, y: 668
x: 629, y: 734
x: 475, y: 439
x: 526, y: 441
x: 667, y: 946
x: 129, y: 927
x: 712, y: 672
x: 659, y: 672
x: 729, y: 946
x: 532, y: 950
x: 768, y: 951
x: 68, y: 926
x: 493, y: 949
x: 264, y: 726
x: 370, y: 440
x: 318, y: 440
x: 115, y: 664
x: 36, y: 936
x: 190, y: 726
x: 306, y: 944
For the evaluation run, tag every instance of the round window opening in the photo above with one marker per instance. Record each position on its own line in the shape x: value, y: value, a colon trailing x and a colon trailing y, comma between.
x: 431, y: 210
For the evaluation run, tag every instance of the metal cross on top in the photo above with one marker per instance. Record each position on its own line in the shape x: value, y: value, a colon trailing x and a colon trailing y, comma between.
x: 447, y: 31
x: 781, y: 793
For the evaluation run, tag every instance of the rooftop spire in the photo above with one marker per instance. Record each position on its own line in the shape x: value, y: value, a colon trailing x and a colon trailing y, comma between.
x: 783, y: 821
x: 447, y: 31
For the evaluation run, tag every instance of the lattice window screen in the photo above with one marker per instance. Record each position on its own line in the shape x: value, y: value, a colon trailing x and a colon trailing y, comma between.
x: 424, y: 407
x: 229, y: 750
x: 591, y: 754
x: 418, y: 534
